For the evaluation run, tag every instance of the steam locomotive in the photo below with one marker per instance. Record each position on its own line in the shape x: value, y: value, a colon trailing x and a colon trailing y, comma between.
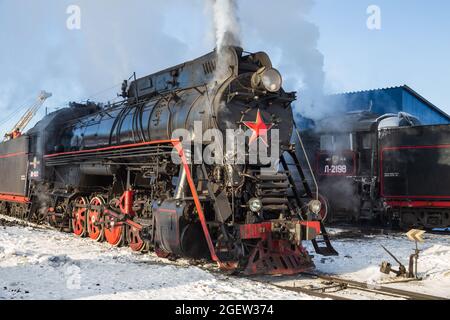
x: 387, y: 170
x: 108, y: 172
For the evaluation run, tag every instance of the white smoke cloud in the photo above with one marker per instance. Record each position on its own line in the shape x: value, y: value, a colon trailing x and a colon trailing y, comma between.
x: 284, y: 30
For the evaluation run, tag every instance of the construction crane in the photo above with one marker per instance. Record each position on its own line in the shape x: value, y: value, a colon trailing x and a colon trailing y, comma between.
x: 26, y: 118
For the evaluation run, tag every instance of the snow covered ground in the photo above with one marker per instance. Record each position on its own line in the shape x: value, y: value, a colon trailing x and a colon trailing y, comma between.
x: 360, y: 259
x: 46, y: 264
x: 38, y: 263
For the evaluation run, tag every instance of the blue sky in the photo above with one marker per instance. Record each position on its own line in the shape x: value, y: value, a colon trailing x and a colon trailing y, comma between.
x: 118, y: 37
x: 412, y: 47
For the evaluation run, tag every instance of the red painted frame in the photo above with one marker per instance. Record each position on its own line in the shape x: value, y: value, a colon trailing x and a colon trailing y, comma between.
x: 179, y: 147
x: 10, y: 155
x: 262, y: 230
x: 419, y: 204
x: 13, y: 198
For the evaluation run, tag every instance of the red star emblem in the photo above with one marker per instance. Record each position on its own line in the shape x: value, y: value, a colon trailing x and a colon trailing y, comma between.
x: 259, y: 129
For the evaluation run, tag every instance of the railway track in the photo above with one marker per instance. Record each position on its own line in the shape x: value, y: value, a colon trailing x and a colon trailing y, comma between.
x: 329, y: 287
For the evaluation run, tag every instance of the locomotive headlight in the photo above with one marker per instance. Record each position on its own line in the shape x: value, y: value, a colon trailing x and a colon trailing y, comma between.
x: 255, y: 205
x: 315, y: 206
x: 271, y: 79
x: 267, y: 78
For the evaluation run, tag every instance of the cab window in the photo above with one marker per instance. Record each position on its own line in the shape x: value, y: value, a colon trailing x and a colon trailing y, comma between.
x: 337, y: 142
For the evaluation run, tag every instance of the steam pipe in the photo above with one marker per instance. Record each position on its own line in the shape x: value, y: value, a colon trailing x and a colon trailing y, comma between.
x: 182, y: 180
x: 179, y: 192
x: 307, y: 161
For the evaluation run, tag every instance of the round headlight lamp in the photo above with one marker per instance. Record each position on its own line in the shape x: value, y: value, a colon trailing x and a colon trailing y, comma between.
x: 315, y: 206
x: 267, y: 79
x: 255, y: 204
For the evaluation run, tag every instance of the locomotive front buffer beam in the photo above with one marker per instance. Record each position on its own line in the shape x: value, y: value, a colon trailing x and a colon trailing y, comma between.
x: 279, y: 249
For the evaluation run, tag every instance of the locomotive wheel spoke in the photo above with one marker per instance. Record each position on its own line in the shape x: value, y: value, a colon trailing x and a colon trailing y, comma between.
x: 94, y: 220
x: 134, y: 239
x: 323, y: 213
x: 114, y: 230
x: 79, y: 215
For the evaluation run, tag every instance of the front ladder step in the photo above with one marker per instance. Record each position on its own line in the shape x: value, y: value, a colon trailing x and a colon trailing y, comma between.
x: 326, y: 250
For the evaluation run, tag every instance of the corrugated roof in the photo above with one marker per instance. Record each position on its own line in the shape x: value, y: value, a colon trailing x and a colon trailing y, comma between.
x: 405, y: 87
x: 367, y: 91
x: 420, y: 97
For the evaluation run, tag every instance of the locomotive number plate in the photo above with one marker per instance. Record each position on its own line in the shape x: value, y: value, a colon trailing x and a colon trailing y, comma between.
x: 337, y: 169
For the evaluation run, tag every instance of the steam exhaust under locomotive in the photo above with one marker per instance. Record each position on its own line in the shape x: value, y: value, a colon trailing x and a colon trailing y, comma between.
x: 118, y: 173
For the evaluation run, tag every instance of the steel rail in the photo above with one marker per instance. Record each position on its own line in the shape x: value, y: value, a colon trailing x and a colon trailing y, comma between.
x: 377, y: 289
x: 310, y: 292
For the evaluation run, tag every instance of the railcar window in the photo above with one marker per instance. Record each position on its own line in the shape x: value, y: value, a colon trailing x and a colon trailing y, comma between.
x: 337, y: 142
x: 367, y: 141
x: 342, y: 142
x: 326, y: 142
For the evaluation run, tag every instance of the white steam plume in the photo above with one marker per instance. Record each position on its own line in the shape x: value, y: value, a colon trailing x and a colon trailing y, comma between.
x: 227, y: 33
x: 226, y: 22
x: 284, y: 30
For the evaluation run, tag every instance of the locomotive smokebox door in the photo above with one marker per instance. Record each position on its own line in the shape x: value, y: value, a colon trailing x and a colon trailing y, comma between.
x: 176, y: 232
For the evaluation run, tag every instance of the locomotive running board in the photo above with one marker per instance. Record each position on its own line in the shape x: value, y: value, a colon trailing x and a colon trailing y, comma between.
x: 328, y: 249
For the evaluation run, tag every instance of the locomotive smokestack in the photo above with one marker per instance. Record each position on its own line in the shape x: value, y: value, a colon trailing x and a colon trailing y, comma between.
x: 227, y: 32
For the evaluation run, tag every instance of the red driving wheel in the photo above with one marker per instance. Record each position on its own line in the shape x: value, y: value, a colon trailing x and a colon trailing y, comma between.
x: 323, y: 213
x: 94, y: 220
x: 79, y: 217
x: 114, y: 230
x: 134, y: 239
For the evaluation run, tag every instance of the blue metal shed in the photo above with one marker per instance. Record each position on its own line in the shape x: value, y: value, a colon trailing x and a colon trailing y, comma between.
x: 392, y: 100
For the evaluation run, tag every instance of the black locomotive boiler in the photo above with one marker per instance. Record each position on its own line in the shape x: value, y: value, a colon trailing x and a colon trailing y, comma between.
x: 107, y: 172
